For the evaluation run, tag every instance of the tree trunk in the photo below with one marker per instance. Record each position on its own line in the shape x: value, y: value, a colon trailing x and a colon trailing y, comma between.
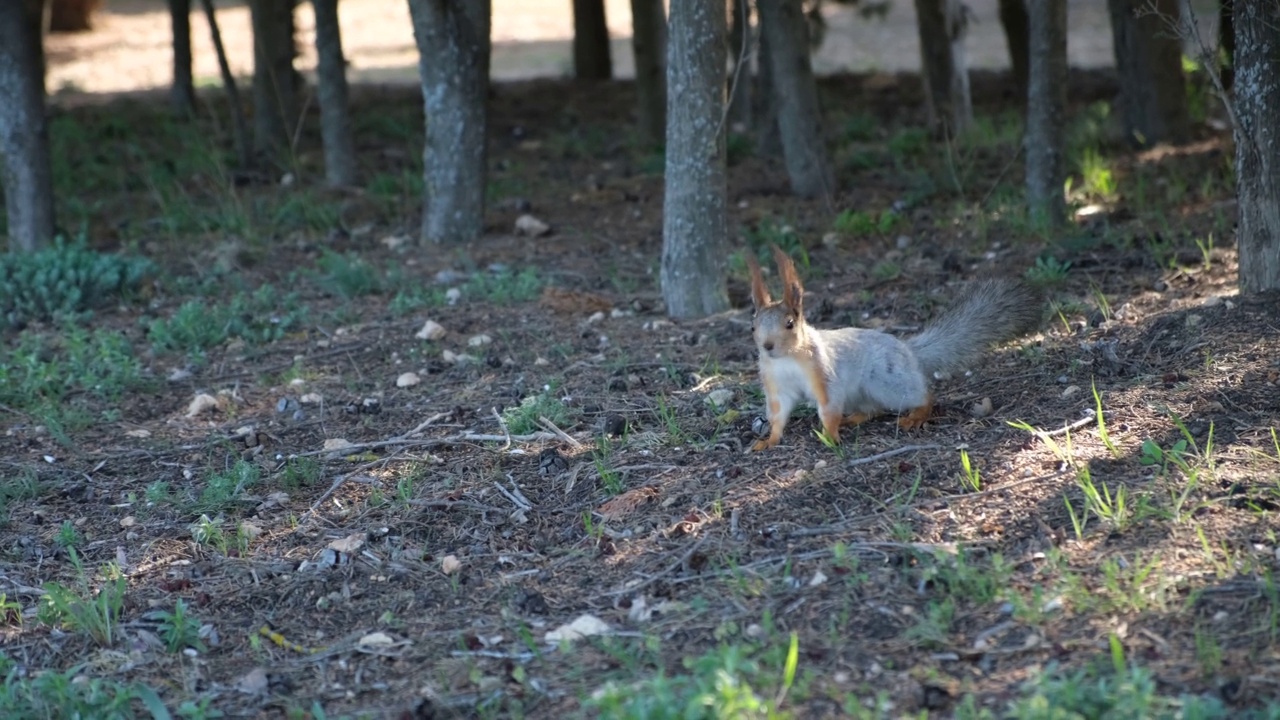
x: 71, y: 15
x: 183, y: 93
x: 453, y: 60
x: 942, y: 27
x: 694, y: 204
x: 591, y: 60
x: 649, y: 43
x: 1013, y: 18
x: 764, y: 107
x: 1046, y: 110
x: 796, y: 96
x: 24, y: 132
x: 1227, y: 41
x: 740, y: 101
x: 239, y: 125
x: 276, y: 84
x: 1153, y: 94
x: 335, y: 117
x: 1257, y: 97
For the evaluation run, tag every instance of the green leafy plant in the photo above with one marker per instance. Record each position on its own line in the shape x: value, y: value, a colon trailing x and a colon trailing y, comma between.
x: 83, y: 610
x: 1048, y: 271
x: 522, y: 419
x: 970, y: 477
x: 65, y: 279
x: 179, y: 630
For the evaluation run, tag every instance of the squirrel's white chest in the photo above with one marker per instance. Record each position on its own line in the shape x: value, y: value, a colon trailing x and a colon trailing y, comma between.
x: 790, y: 379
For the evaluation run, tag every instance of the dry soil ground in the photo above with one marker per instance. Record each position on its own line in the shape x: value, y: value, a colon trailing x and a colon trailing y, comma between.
x: 417, y: 571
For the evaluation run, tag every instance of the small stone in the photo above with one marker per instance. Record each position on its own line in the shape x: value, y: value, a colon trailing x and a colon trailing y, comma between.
x: 903, y: 242
x: 179, y: 374
x: 452, y: 295
x: 311, y: 398
x: 541, y: 361
x: 431, y: 330
x: 479, y: 340
x: 720, y: 397
x: 982, y: 408
x: 595, y: 317
x: 407, y: 380
x: 1070, y: 392
x: 531, y: 226
x: 450, y: 564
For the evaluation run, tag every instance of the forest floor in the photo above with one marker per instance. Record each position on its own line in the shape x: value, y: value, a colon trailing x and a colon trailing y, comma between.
x: 285, y: 503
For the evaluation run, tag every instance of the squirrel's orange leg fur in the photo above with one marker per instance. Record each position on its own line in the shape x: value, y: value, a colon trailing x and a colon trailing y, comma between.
x: 777, y: 420
x: 855, y: 419
x: 917, y: 417
x: 831, y: 424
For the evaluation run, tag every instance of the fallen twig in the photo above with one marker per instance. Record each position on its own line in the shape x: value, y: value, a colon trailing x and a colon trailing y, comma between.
x: 662, y: 573
x: 546, y: 423
x: 502, y: 424
x: 891, y: 453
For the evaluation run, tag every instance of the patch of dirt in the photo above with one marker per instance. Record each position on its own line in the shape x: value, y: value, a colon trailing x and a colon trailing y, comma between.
x: 464, y: 543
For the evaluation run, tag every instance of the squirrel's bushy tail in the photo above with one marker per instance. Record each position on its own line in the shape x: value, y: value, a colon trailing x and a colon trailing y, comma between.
x: 985, y: 313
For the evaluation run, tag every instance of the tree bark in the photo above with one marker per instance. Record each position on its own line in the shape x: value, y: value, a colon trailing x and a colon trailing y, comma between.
x: 942, y: 27
x: 1153, y: 94
x: 239, y: 124
x: 1257, y: 97
x: 796, y: 96
x: 764, y: 108
x: 183, y: 93
x: 740, y: 100
x: 24, y: 130
x: 694, y: 203
x: 591, y: 58
x: 335, y: 116
x: 276, y: 83
x: 649, y: 44
x: 453, y: 60
x: 1013, y: 18
x: 1046, y: 110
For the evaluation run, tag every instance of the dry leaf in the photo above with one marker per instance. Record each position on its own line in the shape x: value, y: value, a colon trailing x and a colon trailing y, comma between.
x: 531, y: 226
x: 627, y: 502
x: 201, y: 403
x: 139, y: 433
x: 407, y: 380
x: 572, y: 302
x: 253, y: 682
x: 349, y: 544
x: 337, y: 444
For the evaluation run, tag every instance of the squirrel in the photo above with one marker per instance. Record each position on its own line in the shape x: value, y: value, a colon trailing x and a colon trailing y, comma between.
x: 854, y: 374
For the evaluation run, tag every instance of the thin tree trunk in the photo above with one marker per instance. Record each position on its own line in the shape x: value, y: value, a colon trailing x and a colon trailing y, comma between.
x: 591, y: 57
x: 71, y: 15
x: 183, y: 93
x: 796, y: 96
x: 276, y: 83
x: 453, y: 52
x: 649, y: 44
x: 1013, y: 18
x: 239, y: 124
x: 741, y: 81
x: 694, y: 204
x: 1046, y: 110
x: 1257, y: 136
x: 1153, y: 95
x: 942, y: 26
x: 335, y: 117
x: 765, y: 102
x: 1227, y: 41
x: 24, y: 130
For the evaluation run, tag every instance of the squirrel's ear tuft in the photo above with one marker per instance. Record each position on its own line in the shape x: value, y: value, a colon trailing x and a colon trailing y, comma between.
x: 792, y: 289
x: 759, y: 291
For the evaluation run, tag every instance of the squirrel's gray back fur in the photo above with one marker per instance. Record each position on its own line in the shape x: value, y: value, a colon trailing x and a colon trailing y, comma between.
x: 985, y: 313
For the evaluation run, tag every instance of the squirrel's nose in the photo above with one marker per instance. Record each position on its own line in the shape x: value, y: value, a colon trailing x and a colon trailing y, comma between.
x: 768, y: 346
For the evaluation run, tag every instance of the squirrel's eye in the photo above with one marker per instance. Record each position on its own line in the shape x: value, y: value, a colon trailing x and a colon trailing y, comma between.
x: 790, y: 323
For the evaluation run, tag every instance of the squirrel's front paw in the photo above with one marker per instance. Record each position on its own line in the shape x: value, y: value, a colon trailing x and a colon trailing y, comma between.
x: 763, y: 444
